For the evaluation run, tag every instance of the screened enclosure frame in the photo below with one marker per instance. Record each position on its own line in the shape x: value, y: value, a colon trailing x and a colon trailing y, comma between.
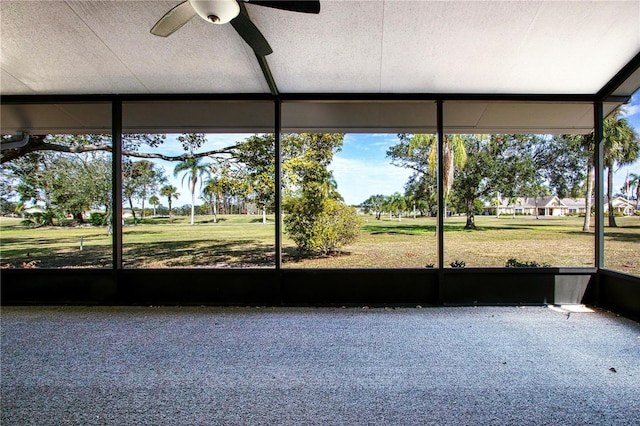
x: 285, y: 286
x: 277, y: 101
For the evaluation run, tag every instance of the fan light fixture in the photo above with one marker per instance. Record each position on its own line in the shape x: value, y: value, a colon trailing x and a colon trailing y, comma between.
x: 216, y: 11
x: 229, y: 11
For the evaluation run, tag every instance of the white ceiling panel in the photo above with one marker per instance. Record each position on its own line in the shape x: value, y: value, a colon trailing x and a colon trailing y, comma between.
x: 199, y: 58
x: 338, y: 50
x: 10, y: 84
x: 574, y: 47
x: 49, y: 49
x: 451, y: 47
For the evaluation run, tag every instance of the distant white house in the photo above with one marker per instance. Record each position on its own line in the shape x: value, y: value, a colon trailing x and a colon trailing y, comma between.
x: 551, y: 205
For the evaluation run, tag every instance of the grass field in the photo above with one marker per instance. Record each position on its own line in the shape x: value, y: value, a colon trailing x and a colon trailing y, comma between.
x: 243, y: 241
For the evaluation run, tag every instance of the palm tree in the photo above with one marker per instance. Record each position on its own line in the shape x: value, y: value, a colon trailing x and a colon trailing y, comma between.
x: 170, y: 192
x: 193, y: 170
x: 454, y: 156
x: 211, y: 191
x: 621, y: 145
x: 154, y: 201
x: 396, y: 203
x: 329, y: 188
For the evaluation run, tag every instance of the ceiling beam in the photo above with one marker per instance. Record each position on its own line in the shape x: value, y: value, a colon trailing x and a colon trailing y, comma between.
x: 266, y: 72
x: 607, y: 90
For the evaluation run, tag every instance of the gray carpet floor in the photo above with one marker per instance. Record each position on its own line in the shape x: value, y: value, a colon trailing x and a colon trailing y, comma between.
x: 324, y: 366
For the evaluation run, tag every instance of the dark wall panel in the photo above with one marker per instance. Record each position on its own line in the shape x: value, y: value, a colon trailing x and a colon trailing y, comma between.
x: 620, y: 293
x: 359, y: 287
x: 197, y: 286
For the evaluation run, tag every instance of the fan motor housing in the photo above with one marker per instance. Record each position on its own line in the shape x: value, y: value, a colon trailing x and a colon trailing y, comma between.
x: 216, y: 11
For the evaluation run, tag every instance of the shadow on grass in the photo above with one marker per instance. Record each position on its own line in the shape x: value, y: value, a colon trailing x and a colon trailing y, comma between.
x: 177, y: 254
x: 220, y: 219
x: 291, y: 255
x: 89, y: 257
x: 131, y: 230
x: 624, y: 237
x: 398, y: 229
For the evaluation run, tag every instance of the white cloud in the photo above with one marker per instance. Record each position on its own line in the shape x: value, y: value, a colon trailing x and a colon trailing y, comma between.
x: 357, y: 179
x: 630, y: 110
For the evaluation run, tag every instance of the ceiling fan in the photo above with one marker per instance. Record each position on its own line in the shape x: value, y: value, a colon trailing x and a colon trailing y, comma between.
x: 229, y: 11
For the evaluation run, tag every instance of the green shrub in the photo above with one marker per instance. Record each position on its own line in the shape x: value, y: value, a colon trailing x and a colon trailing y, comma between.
x: 98, y: 219
x: 458, y: 264
x: 321, y: 226
x: 515, y: 263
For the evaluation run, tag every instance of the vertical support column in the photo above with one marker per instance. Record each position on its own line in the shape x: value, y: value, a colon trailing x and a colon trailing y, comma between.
x: 278, y: 182
x: 440, y: 183
x: 440, y: 188
x: 598, y: 162
x: 116, y: 181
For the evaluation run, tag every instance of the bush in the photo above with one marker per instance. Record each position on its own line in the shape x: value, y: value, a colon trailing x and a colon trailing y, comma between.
x: 515, y: 263
x: 98, y: 219
x: 458, y: 264
x: 38, y: 219
x: 321, y: 227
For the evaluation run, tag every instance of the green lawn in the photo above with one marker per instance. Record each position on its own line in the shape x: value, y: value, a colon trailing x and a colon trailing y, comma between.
x: 243, y: 241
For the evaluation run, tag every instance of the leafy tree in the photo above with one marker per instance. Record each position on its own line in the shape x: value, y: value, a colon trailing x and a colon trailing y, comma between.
x: 257, y: 155
x: 418, y: 152
x: 193, y: 170
x: 211, y: 192
x: 65, y: 184
x: 171, y: 192
x: 396, y: 204
x: 495, y: 163
x: 316, y: 220
x: 373, y: 204
x: 423, y: 191
x: 139, y: 179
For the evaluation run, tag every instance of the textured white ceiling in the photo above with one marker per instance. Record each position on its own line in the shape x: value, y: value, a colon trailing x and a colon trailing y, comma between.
x: 91, y: 47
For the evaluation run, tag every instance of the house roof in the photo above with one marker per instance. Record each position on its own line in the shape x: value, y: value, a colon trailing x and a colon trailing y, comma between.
x: 565, y: 50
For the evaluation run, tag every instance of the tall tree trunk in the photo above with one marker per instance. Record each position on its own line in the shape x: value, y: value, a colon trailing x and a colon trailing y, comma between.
x: 193, y: 208
x: 612, y: 216
x: 133, y: 212
x: 193, y: 199
x: 77, y: 218
x: 215, y: 209
x: 588, y: 196
x: 169, y: 198
x: 471, y: 219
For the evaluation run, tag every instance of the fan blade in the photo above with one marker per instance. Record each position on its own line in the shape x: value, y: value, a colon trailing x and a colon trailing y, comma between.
x: 250, y: 33
x: 173, y: 20
x: 294, y: 6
